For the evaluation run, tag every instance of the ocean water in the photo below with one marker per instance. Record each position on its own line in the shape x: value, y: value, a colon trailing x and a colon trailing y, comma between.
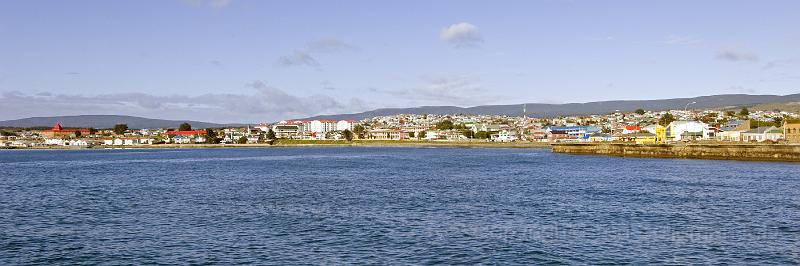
x: 391, y: 206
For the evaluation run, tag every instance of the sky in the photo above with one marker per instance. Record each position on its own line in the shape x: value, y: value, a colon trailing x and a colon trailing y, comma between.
x: 261, y: 61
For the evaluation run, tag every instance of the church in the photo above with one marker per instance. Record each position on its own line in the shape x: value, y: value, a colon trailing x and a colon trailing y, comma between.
x: 59, y: 132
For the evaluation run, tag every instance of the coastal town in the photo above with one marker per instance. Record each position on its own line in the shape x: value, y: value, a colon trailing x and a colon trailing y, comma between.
x: 640, y: 127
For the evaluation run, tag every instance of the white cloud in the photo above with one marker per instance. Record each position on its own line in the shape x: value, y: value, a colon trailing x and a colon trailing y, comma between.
x: 461, y: 35
x: 734, y: 55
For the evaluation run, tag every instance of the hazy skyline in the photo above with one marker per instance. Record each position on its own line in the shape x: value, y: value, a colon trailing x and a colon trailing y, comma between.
x: 253, y: 61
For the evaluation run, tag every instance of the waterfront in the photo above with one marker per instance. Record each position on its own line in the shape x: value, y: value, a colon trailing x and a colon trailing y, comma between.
x: 391, y: 206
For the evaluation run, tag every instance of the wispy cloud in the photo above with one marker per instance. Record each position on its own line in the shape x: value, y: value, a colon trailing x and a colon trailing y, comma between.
x: 742, y: 89
x: 734, y: 55
x: 329, y: 45
x: 298, y: 58
x: 448, y: 90
x: 681, y: 40
x: 305, y: 56
x: 264, y: 103
x: 210, y: 3
x: 461, y: 35
x: 782, y: 63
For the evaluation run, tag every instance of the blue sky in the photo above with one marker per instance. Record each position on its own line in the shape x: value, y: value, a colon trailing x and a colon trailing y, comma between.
x: 253, y: 61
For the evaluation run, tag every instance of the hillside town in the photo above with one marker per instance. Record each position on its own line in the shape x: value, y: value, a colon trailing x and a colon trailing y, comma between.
x: 640, y: 127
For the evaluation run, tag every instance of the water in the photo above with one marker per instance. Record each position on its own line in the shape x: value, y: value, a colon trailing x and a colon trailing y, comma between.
x: 391, y: 206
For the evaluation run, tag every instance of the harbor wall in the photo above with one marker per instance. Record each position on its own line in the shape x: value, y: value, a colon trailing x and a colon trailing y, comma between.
x: 755, y: 152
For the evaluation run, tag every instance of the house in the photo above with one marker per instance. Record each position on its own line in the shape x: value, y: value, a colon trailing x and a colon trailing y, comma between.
x: 559, y: 136
x: 505, y: 135
x: 760, y: 134
x: 631, y: 129
x: 186, y: 136
x: 684, y: 130
x: 54, y: 141
x: 732, y: 130
x: 600, y: 137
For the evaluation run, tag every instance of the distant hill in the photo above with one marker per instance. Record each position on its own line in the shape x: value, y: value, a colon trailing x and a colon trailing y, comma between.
x: 103, y: 121
x: 550, y: 110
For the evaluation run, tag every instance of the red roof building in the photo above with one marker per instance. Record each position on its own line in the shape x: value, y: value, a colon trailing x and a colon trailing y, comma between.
x: 59, y: 132
x: 187, y: 132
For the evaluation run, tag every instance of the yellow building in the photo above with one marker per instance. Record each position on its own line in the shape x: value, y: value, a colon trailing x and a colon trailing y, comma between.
x: 791, y: 132
x: 638, y: 138
x: 661, y: 134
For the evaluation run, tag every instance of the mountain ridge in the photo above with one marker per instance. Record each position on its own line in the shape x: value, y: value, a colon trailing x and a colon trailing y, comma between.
x: 104, y: 121
x: 721, y: 101
x: 600, y: 107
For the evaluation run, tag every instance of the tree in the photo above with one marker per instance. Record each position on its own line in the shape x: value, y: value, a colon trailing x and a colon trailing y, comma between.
x: 744, y: 112
x: 270, y: 134
x: 78, y: 134
x: 242, y: 140
x: 422, y: 134
x: 666, y: 119
x: 639, y: 111
x: 185, y: 127
x: 120, y: 129
x: 444, y: 125
x: 482, y: 135
x: 730, y: 113
x: 348, y: 135
x: 211, y: 137
x: 777, y: 121
x: 468, y: 133
x: 411, y: 134
x: 359, y: 130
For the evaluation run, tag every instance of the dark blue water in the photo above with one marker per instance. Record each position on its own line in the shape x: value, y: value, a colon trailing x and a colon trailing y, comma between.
x: 391, y: 206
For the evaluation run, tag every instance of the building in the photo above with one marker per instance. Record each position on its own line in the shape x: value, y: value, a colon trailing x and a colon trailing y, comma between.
x: 386, y: 134
x: 505, y: 135
x: 600, y: 137
x: 322, y: 126
x: 791, y: 132
x: 59, y: 132
x: 343, y: 125
x: 639, y: 138
x: 760, y: 134
x: 687, y: 130
x: 732, y: 130
x: 186, y: 136
x: 575, y: 132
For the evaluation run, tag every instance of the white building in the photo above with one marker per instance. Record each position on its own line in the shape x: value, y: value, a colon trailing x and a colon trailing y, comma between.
x: 345, y: 124
x: 688, y: 130
x: 322, y: 126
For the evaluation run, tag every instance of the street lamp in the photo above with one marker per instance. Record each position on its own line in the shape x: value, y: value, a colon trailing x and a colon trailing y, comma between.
x: 687, y: 106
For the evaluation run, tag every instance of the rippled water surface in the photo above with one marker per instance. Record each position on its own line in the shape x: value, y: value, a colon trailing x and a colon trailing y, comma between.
x: 391, y: 206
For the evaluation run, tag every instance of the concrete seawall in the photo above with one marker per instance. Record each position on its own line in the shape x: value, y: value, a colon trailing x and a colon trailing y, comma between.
x: 752, y: 152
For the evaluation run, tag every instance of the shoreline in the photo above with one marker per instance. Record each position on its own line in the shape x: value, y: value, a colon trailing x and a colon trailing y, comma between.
x: 716, y: 151
x: 307, y: 143
x: 702, y: 151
